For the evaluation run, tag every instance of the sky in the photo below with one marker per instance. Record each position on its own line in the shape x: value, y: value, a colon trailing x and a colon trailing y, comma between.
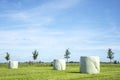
x: 86, y: 27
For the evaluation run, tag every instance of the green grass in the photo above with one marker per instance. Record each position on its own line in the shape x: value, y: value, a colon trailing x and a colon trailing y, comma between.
x: 45, y: 72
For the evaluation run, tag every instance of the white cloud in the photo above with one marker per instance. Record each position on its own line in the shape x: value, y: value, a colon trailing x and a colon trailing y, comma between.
x: 21, y: 39
x: 21, y: 16
x: 43, y: 13
x: 58, y: 5
x: 45, y: 38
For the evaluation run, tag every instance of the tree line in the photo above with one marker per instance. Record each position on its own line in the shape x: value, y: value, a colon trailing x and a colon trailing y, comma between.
x: 110, y: 55
x: 35, y: 55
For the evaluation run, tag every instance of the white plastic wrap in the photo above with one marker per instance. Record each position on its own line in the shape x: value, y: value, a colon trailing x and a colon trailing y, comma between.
x: 90, y: 64
x: 59, y: 64
x: 13, y: 64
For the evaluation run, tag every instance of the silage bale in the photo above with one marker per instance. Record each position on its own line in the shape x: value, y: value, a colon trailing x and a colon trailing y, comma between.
x: 13, y: 64
x: 90, y: 64
x: 59, y: 64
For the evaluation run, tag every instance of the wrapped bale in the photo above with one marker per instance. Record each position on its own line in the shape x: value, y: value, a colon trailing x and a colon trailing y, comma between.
x: 90, y: 64
x: 59, y: 64
x: 13, y: 64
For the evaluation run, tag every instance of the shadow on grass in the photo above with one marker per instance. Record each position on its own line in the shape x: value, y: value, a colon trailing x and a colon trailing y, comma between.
x: 74, y: 72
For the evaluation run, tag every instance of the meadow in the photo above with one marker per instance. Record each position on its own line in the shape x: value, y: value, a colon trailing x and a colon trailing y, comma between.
x: 44, y: 71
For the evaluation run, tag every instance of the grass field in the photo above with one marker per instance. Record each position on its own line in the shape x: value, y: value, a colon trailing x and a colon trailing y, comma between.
x: 45, y: 72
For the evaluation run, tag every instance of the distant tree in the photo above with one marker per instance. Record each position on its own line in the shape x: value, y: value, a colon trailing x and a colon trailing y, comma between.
x: 116, y: 62
x: 110, y: 54
x: 35, y: 54
x: 67, y: 54
x: 7, y: 57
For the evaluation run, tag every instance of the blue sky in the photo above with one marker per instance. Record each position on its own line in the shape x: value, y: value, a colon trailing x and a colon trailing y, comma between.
x: 86, y: 27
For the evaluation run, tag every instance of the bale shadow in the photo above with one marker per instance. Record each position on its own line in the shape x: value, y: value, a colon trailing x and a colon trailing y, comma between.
x: 74, y: 72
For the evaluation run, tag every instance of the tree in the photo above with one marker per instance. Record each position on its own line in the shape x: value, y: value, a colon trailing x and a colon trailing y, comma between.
x: 110, y: 54
x: 7, y: 57
x: 67, y: 54
x: 35, y: 54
